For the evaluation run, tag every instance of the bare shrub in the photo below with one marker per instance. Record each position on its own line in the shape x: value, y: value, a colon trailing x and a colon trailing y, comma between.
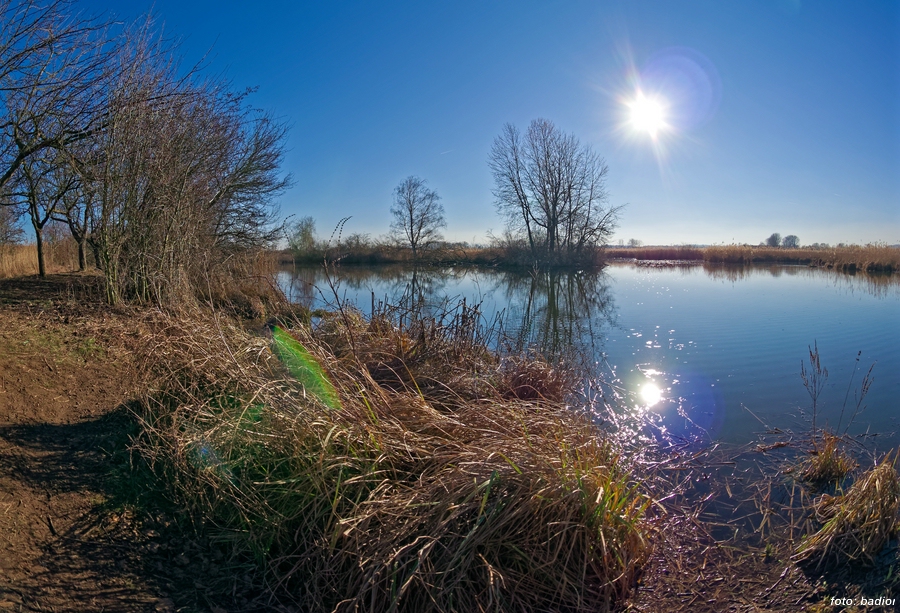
x: 187, y: 175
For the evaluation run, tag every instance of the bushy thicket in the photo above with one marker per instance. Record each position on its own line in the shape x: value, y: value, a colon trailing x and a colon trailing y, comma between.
x: 167, y: 176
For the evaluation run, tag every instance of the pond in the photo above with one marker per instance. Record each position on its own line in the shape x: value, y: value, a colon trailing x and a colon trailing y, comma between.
x: 700, y: 353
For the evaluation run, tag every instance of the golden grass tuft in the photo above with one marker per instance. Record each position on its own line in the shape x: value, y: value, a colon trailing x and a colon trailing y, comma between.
x: 828, y: 464
x: 533, y: 378
x: 857, y: 524
x: 410, y: 496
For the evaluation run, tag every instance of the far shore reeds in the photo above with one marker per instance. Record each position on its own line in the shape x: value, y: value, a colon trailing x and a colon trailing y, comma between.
x: 18, y: 260
x: 848, y: 258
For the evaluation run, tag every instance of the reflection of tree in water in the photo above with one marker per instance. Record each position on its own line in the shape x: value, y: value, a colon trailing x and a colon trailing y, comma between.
x: 558, y: 313
x: 316, y: 285
x: 421, y: 291
x: 299, y: 285
x: 555, y: 313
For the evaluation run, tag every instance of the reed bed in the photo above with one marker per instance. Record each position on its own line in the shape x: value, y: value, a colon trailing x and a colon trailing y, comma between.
x: 392, y: 465
x: 21, y: 260
x: 17, y: 260
x: 656, y: 253
x: 871, y: 258
x: 379, y: 254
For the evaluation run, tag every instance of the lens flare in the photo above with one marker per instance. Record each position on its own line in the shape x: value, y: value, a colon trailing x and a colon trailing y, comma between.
x: 304, y: 367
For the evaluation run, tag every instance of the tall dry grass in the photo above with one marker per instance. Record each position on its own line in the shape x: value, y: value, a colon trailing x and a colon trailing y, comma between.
x: 21, y: 260
x: 409, y: 489
x: 872, y: 258
x: 656, y: 253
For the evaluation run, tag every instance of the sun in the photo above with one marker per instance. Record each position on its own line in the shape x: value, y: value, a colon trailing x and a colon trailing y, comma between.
x: 647, y: 115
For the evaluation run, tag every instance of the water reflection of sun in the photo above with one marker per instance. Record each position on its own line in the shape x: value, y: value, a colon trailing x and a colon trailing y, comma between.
x: 651, y: 394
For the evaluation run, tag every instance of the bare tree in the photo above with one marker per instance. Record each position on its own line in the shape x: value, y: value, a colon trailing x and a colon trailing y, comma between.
x: 53, y: 67
x: 418, y: 214
x: 10, y: 231
x: 552, y: 190
x: 774, y: 240
x: 77, y: 209
x: 186, y: 177
x: 45, y: 183
x: 791, y: 241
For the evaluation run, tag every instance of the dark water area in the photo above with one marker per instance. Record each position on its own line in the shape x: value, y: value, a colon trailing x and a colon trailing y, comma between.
x: 696, y: 352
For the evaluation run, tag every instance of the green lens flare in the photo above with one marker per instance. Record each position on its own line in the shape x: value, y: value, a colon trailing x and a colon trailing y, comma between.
x: 305, y: 368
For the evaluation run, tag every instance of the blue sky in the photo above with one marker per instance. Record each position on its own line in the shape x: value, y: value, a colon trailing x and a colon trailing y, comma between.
x: 784, y: 115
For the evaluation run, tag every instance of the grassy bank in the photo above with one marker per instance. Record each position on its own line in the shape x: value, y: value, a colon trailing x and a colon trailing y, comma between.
x: 871, y: 258
x: 361, y: 467
x: 351, y: 463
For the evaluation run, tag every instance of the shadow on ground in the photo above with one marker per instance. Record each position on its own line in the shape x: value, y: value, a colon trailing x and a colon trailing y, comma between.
x: 33, y: 290
x: 99, y: 534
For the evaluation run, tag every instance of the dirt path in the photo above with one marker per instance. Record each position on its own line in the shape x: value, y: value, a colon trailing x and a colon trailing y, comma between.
x: 64, y: 384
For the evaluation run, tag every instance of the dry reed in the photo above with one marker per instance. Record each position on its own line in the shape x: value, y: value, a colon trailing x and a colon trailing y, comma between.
x: 418, y: 492
x: 21, y: 260
x: 871, y: 257
x: 656, y: 253
x: 857, y: 524
x: 828, y: 464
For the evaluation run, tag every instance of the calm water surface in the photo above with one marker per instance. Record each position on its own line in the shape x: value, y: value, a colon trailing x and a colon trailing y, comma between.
x: 704, y: 353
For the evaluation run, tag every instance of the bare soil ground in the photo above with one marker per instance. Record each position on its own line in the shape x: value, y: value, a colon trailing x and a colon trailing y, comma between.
x: 70, y: 539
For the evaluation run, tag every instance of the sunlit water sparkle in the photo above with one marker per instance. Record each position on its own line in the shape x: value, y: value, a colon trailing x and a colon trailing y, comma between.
x: 722, y: 346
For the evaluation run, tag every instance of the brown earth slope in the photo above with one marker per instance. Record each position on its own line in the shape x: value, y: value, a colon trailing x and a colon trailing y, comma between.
x: 64, y: 378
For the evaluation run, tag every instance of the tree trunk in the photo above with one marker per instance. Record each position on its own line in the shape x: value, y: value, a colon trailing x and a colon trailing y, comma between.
x: 39, y: 241
x: 82, y: 259
x: 95, y: 249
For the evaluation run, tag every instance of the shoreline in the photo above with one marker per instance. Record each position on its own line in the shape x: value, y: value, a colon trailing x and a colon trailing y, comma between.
x: 869, y: 258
